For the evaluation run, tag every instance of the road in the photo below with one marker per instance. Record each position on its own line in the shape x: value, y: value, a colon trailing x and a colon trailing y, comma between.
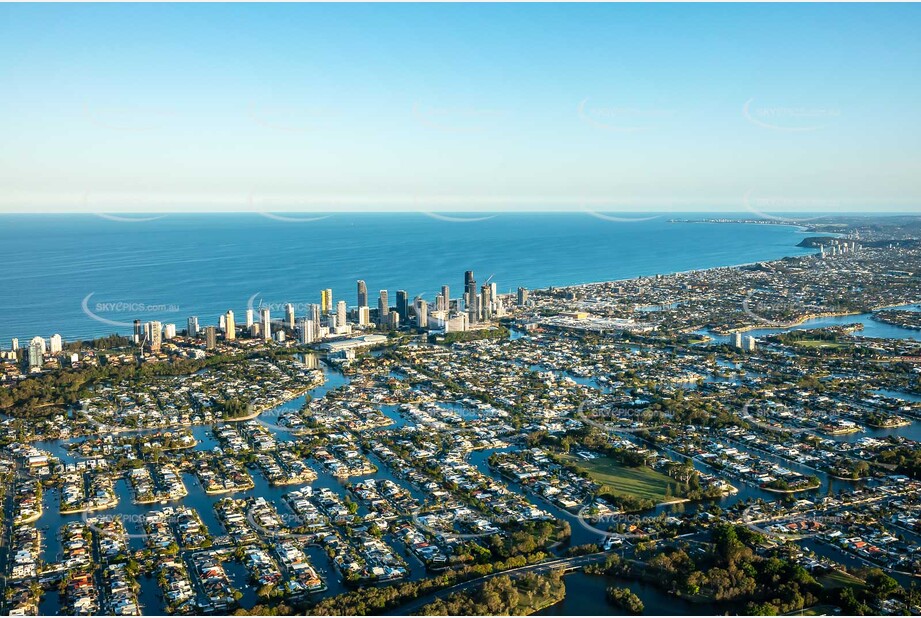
x: 540, y: 567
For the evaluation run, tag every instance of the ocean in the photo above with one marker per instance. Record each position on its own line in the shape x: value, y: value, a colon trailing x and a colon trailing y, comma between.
x: 89, y: 275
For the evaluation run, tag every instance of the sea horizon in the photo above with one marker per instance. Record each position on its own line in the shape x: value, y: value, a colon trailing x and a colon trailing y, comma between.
x: 103, y: 273
x: 778, y: 215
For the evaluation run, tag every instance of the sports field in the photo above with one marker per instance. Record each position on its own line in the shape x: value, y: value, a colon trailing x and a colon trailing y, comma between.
x: 641, y: 482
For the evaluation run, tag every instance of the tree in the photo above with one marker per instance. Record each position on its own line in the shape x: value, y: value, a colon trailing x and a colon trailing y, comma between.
x: 625, y: 599
x: 729, y: 546
x: 762, y: 609
x: 850, y: 604
x: 882, y: 586
x: 860, y: 469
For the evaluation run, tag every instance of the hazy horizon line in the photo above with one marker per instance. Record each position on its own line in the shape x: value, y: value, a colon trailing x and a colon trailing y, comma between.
x: 749, y: 213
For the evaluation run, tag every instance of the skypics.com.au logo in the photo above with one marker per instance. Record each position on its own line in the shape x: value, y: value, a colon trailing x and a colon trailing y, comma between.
x: 139, y: 206
x: 789, y: 526
x: 762, y: 413
x: 774, y: 312
x: 126, y: 309
x: 119, y: 525
x: 462, y: 524
x: 288, y: 421
x: 256, y: 303
x: 610, y: 419
x: 286, y: 210
x: 790, y: 119
x: 278, y: 526
x: 621, y: 118
x: 611, y: 524
x: 764, y: 205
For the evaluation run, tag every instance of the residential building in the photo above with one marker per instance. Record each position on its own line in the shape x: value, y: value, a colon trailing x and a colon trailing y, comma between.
x: 230, y: 328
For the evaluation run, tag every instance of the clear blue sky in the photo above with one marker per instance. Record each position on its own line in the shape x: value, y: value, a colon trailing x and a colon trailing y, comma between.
x: 457, y: 107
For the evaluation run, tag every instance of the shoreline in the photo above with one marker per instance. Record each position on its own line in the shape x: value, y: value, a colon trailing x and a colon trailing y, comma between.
x: 892, y: 426
x: 233, y: 490
x: 669, y: 274
x: 787, y: 325
x: 160, y: 500
x: 786, y: 254
x: 29, y: 520
x: 90, y: 509
x: 691, y: 271
x: 256, y: 413
x: 817, y: 316
x: 790, y: 491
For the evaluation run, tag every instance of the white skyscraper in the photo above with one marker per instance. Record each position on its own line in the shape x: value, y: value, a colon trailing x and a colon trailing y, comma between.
x: 155, y: 335
x: 169, y: 331
x: 56, y: 344
x: 230, y: 327
x: 443, y: 321
x: 289, y: 316
x: 249, y: 318
x: 265, y: 320
x: 364, y: 316
x: 36, y: 353
x: 340, y: 313
x: 738, y: 340
x: 306, y: 331
x: 40, y: 342
x: 750, y: 344
x: 422, y: 313
x: 301, y: 330
x: 15, y: 344
x: 192, y: 326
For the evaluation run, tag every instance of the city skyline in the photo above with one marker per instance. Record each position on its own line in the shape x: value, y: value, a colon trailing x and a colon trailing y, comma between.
x: 148, y: 333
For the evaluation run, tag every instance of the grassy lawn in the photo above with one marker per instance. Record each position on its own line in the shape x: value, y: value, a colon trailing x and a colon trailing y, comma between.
x: 640, y: 482
x: 839, y: 579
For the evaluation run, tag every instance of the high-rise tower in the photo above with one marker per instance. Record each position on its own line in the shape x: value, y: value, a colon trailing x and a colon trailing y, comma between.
x: 265, y: 321
x: 383, y: 308
x: 230, y: 327
x: 403, y: 305
x: 471, y: 297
